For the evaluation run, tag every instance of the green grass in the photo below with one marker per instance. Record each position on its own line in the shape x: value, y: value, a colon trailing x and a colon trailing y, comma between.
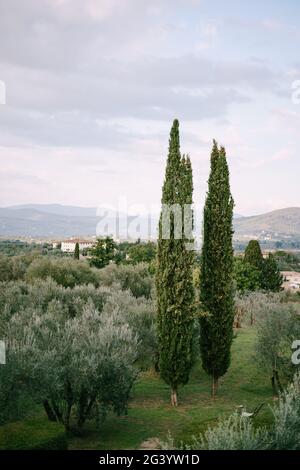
x: 151, y: 415
x: 33, y: 434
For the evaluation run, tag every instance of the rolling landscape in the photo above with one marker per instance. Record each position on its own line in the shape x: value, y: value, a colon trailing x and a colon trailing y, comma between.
x: 149, y: 232
x: 55, y: 220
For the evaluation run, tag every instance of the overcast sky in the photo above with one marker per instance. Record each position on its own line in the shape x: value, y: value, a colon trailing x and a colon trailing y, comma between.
x: 92, y: 88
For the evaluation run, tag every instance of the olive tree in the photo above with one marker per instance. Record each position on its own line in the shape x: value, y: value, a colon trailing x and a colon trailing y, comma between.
x: 75, y: 367
x: 277, y: 328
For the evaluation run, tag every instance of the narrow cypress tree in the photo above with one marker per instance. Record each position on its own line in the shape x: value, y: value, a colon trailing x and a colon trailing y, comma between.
x: 76, y: 253
x: 174, y: 282
x: 216, y: 291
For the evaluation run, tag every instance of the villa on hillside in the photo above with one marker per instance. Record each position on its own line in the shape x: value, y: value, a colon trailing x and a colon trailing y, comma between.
x: 68, y: 246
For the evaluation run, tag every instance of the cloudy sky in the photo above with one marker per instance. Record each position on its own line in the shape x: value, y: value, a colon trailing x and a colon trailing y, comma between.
x: 92, y: 88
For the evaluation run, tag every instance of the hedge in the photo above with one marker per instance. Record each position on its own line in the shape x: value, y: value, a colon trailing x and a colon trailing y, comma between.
x: 33, y: 434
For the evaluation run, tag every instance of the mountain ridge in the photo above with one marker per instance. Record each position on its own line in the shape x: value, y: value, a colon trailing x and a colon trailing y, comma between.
x: 40, y: 220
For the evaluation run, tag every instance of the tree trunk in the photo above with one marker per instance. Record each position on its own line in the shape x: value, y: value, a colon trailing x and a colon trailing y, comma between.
x: 274, y: 387
x: 68, y: 416
x: 57, y: 411
x: 49, y: 412
x: 214, y: 387
x: 174, y: 401
x: 279, y: 386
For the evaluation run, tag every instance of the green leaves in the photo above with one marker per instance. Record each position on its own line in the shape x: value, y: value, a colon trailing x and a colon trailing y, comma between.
x: 216, y: 279
x: 174, y: 276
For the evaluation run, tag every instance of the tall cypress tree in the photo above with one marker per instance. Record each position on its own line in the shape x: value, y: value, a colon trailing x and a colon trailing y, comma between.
x: 216, y: 291
x: 76, y: 253
x: 174, y: 283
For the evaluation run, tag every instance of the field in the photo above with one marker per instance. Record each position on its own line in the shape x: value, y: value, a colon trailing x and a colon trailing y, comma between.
x: 150, y: 414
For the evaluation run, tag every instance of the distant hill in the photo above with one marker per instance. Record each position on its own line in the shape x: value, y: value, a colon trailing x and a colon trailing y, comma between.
x: 58, y: 209
x: 59, y: 221
x: 283, y: 222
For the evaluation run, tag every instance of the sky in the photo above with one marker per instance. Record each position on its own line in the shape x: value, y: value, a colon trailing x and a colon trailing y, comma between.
x: 92, y: 89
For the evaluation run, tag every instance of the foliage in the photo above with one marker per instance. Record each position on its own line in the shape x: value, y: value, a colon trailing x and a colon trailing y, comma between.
x: 272, y: 278
x: 253, y: 254
x: 174, y: 275
x: 141, y: 253
x: 103, y: 252
x: 136, y: 278
x: 216, y: 292
x: 247, y: 277
x: 233, y: 433
x: 285, y: 434
x: 277, y: 328
x: 66, y: 272
x: 75, y: 367
x: 256, y: 273
x: 14, y: 267
x: 287, y: 261
x: 240, y: 433
x: 77, y: 252
x: 140, y: 315
x: 33, y: 434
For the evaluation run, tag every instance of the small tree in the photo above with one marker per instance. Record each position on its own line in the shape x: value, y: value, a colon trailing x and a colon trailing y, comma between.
x: 79, y: 367
x: 76, y: 253
x: 278, y: 327
x: 253, y: 255
x: 103, y: 253
x: 272, y: 278
x: 247, y: 276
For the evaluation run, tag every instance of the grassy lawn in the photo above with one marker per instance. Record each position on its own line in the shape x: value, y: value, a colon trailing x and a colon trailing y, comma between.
x: 151, y: 415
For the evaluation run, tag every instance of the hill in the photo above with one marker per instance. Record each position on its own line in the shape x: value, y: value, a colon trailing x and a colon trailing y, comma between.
x: 54, y: 220
x: 280, y: 223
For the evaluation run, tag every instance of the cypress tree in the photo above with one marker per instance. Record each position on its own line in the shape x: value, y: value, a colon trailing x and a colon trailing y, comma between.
x: 272, y: 278
x: 216, y: 280
x: 76, y: 253
x: 253, y: 255
x: 174, y: 282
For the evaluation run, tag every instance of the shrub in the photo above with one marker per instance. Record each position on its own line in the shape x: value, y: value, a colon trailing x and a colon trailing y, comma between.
x: 66, y: 272
x: 136, y: 278
x: 78, y: 365
x: 285, y: 434
x: 278, y: 327
x: 140, y: 314
x: 35, y: 434
x: 238, y: 432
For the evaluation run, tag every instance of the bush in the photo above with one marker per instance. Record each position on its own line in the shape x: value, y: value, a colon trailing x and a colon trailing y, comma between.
x: 278, y: 327
x: 285, y: 434
x: 233, y: 433
x: 140, y: 314
x: 66, y: 272
x: 81, y: 366
x: 240, y: 433
x: 35, y: 434
x: 136, y: 278
x: 13, y: 268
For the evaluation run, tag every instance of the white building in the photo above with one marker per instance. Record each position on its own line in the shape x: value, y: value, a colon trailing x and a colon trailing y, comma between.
x: 291, y: 280
x: 68, y: 246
